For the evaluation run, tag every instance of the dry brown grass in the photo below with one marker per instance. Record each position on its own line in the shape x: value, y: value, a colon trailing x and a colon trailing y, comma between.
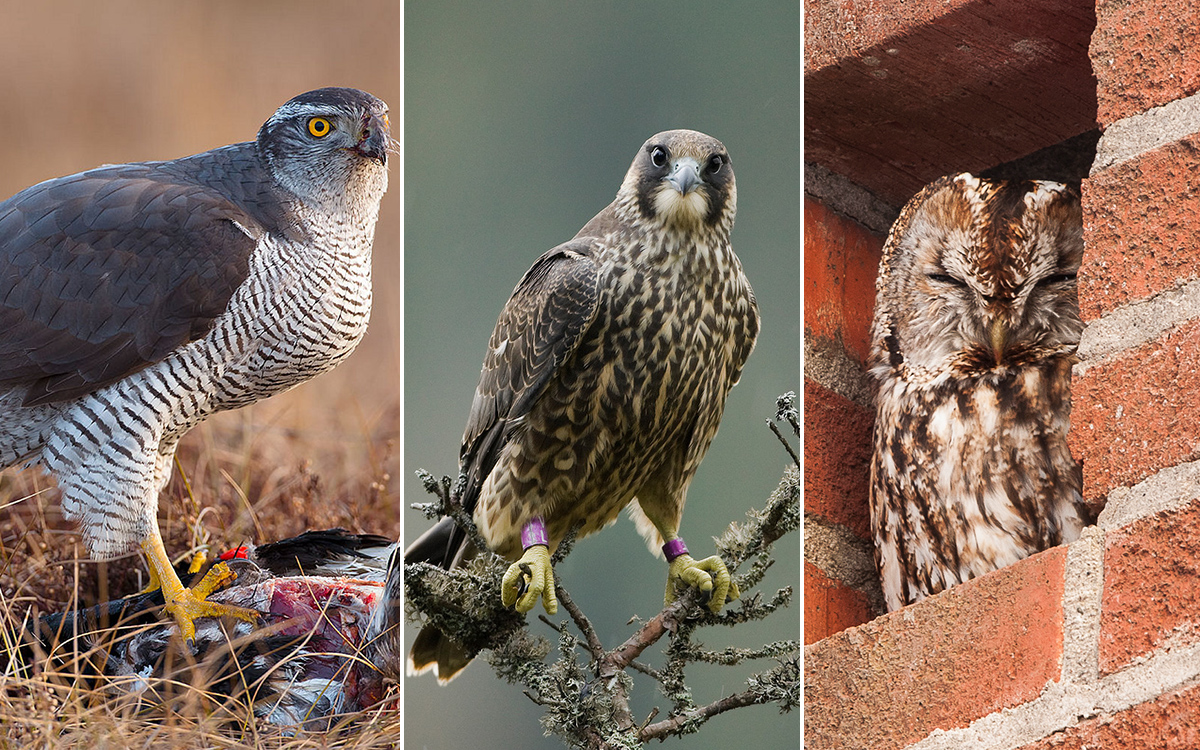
x: 313, y: 460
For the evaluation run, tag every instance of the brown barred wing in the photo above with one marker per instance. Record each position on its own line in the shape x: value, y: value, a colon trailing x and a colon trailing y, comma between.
x: 539, y: 328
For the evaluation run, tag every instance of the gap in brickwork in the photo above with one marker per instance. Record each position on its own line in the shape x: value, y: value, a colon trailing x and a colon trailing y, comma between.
x: 1067, y: 161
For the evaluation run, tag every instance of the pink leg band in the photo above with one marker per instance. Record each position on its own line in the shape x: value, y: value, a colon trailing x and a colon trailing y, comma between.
x: 534, y: 532
x: 674, y: 549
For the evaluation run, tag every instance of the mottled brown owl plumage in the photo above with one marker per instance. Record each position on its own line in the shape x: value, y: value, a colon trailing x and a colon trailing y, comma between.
x: 975, y: 331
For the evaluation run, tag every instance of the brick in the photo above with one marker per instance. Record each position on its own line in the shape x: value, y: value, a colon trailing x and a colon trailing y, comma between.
x: 1151, y: 586
x: 830, y: 606
x: 837, y: 458
x: 841, y: 260
x: 836, y: 30
x: 1166, y: 723
x: 1145, y: 53
x: 1140, y: 223
x: 1137, y: 413
x: 898, y: 94
x: 988, y: 644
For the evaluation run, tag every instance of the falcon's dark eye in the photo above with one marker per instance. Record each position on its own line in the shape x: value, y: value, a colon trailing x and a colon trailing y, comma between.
x: 658, y: 156
x: 715, y: 164
x: 942, y: 278
x: 319, y: 127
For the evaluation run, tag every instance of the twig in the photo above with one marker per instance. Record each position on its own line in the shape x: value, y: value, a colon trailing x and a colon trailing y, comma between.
x: 786, y: 446
x: 655, y: 628
x: 647, y: 670
x: 675, y: 724
x: 785, y: 410
x: 581, y: 621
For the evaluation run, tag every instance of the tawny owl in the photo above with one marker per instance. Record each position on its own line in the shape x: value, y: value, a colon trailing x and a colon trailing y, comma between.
x: 975, y: 331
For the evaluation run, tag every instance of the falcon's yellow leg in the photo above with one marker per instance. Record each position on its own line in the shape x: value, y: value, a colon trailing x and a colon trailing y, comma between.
x: 709, y: 574
x: 187, y: 605
x: 535, y: 566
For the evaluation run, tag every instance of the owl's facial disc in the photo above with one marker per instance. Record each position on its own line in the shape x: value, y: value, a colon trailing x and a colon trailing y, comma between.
x: 993, y: 266
x: 987, y: 319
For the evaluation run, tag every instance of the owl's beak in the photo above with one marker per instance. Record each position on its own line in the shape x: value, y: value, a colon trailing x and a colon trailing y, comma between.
x: 999, y: 338
x: 373, y: 139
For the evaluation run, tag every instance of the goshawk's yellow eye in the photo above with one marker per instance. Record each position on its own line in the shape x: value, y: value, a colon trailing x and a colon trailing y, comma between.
x: 319, y: 127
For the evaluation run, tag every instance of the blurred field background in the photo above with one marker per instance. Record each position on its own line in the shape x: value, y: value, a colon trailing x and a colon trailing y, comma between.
x: 89, y: 83
x: 520, y: 122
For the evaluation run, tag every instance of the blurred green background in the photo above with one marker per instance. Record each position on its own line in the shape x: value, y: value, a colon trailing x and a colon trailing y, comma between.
x: 520, y: 122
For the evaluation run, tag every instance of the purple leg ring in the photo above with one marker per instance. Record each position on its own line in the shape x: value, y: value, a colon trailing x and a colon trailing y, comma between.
x: 674, y: 549
x: 534, y: 532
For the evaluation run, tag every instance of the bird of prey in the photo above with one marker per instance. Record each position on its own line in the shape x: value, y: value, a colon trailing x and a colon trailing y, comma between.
x: 604, y: 382
x: 138, y: 299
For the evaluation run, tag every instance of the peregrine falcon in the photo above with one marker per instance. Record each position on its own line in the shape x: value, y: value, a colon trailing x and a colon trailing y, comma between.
x: 138, y: 299
x: 604, y: 383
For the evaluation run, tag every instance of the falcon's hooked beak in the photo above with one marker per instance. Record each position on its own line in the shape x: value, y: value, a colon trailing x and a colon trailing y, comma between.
x: 685, y: 174
x: 374, y: 138
x: 679, y: 198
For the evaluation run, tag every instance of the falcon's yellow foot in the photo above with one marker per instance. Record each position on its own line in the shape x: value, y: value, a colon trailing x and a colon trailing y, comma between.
x: 188, y: 605
x: 709, y: 575
x: 529, y: 578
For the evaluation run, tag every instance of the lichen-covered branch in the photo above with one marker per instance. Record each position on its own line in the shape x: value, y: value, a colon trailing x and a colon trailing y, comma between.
x: 585, y: 692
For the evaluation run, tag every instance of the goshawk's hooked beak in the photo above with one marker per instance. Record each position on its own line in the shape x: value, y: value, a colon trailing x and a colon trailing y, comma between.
x: 373, y: 138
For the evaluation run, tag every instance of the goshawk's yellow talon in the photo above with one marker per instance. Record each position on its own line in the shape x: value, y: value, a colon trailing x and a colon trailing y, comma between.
x: 188, y: 605
x: 217, y: 578
x: 198, y: 561
x: 709, y: 575
x: 528, y: 579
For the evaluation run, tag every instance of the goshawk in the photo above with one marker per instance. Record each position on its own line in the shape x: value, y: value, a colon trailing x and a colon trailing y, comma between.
x: 138, y: 299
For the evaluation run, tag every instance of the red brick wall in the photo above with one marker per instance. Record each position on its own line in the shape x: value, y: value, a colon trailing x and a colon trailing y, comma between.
x: 981, y: 647
x: 1094, y: 645
x: 1144, y: 54
x: 840, y: 262
x: 895, y: 91
x: 1151, y: 586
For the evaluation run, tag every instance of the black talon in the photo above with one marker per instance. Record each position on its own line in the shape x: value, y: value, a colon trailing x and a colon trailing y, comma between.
x: 524, y: 581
